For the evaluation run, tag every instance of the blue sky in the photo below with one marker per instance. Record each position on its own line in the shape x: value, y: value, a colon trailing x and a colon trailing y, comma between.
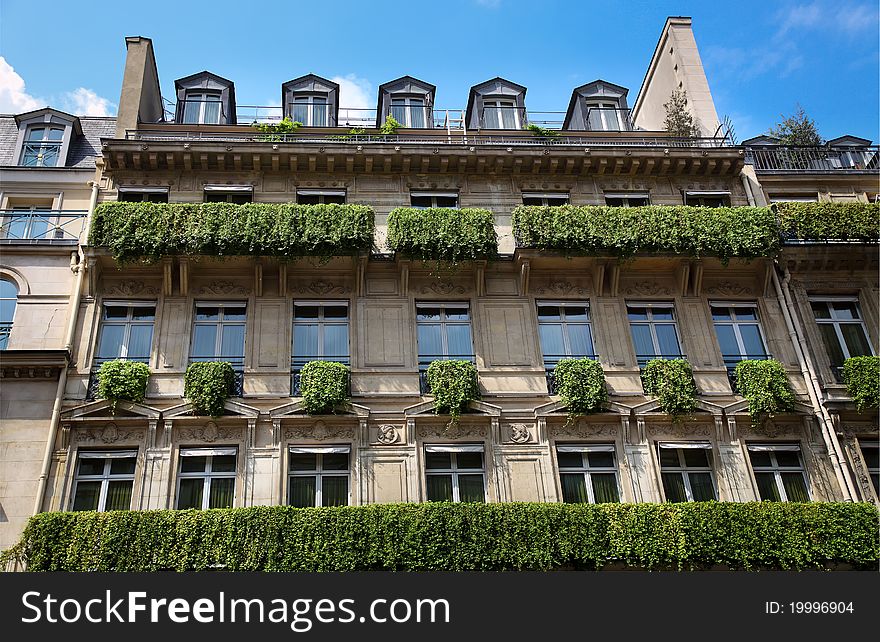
x: 761, y: 58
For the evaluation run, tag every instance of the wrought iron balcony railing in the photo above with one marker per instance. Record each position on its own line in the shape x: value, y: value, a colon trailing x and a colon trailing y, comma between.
x: 5, y: 329
x: 731, y: 360
x: 814, y: 159
x: 56, y: 227
x: 425, y: 362
x: 92, y: 385
x: 608, y: 119
x: 202, y: 112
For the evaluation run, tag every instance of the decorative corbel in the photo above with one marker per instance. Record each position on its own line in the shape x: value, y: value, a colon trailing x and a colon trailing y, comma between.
x: 361, y: 276
x: 91, y: 276
x: 276, y: 432
x: 364, y: 432
x: 251, y: 433
x: 495, y: 429
x: 614, y: 281
x: 166, y: 434
x: 599, y: 277
x: 411, y: 431
x: 65, y: 436
x: 682, y: 275
x: 731, y: 428
x: 167, y: 264
x: 151, y: 433
x: 697, y: 279
x: 282, y: 279
x: 480, y: 278
x: 184, y: 275
x: 258, y: 278
x: 524, y: 278
x: 404, y: 277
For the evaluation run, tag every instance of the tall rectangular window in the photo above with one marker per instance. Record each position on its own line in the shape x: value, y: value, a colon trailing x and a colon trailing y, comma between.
x: 318, y: 476
x: 444, y: 333
x: 550, y: 199
x: 588, y: 473
x: 500, y: 114
x: 320, y: 196
x: 126, y: 331
x: 320, y: 333
x: 202, y: 108
x: 27, y: 222
x: 425, y: 200
x: 739, y: 332
x: 206, y: 478
x: 871, y: 456
x: 686, y: 470
x: 455, y: 473
x: 565, y: 331
x: 218, y: 332
x: 654, y: 331
x: 779, y: 472
x: 104, y: 480
x: 842, y: 329
x: 311, y: 111
x: 42, y: 146
x: 409, y: 112
x: 604, y: 117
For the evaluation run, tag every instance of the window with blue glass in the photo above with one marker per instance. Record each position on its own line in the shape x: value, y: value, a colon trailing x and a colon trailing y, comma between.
x: 218, y: 333
x: 320, y: 333
x: 444, y: 333
x: 654, y: 331
x: 8, y: 301
x: 739, y: 334
x: 126, y: 331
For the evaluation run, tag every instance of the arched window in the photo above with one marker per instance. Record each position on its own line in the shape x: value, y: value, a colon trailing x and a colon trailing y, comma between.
x: 8, y: 297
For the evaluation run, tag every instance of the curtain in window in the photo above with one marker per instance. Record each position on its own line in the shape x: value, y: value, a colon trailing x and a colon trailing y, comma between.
x: 222, y: 493
x: 191, y: 111
x: 667, y: 338
x: 581, y: 340
x: 673, y: 487
x: 232, y: 343
x: 795, y: 488
x: 118, y: 495
x: 302, y: 491
x: 574, y: 489
x: 832, y: 345
x: 336, y: 340
x: 319, y: 113
x: 767, y: 488
x: 190, y: 495
x: 417, y: 113
x: 605, y: 488
x: 701, y: 487
x: 439, y: 488
x: 87, y: 494
x: 334, y: 491
x: 140, y: 338
x: 458, y: 339
x: 490, y: 117
x: 856, y: 341
x: 470, y: 488
x: 212, y: 110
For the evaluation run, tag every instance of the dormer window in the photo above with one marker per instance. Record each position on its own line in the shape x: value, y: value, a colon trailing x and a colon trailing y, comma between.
x: 42, y: 146
x: 407, y: 100
x: 202, y: 108
x: 604, y: 116
x: 311, y: 111
x: 496, y: 104
x: 599, y: 106
x: 311, y: 100
x: 500, y: 114
x: 409, y: 112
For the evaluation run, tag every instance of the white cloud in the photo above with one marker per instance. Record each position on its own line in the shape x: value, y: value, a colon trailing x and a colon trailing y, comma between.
x: 85, y: 102
x: 846, y: 18
x: 354, y: 92
x: 13, y: 97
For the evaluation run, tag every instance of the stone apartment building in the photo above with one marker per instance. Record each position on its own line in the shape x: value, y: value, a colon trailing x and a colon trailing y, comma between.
x: 388, y: 317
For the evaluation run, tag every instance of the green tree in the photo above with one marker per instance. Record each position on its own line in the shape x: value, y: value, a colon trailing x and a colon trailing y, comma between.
x: 798, y: 129
x: 679, y: 120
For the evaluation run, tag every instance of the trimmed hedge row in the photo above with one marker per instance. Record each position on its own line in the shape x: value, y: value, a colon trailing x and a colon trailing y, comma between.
x: 830, y: 221
x: 136, y: 231
x: 456, y: 537
x: 442, y: 234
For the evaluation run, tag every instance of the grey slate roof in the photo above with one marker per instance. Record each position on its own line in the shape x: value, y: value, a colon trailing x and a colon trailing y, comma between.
x: 83, y: 149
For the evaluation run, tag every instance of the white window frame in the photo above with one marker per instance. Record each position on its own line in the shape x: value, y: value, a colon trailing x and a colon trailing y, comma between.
x: 603, y: 108
x: 434, y: 196
x: 586, y: 469
x: 42, y: 145
x: 454, y: 470
x: 776, y: 469
x: 409, y: 103
x: 651, y: 323
x: 566, y: 340
x: 311, y: 101
x: 498, y: 105
x: 6, y: 326
x: 238, y: 361
x: 322, y: 323
x: 625, y: 196
x: 683, y: 469
x: 105, y: 477
x: 735, y: 323
x: 838, y: 322
x: 322, y: 194
x: 128, y: 323
x: 443, y: 322
x: 546, y: 197
x: 202, y: 97
x: 207, y: 475
x: 319, y: 473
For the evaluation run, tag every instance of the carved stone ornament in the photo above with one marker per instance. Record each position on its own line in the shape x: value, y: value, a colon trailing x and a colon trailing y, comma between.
x: 109, y: 434
x: 210, y: 432
x: 769, y: 428
x: 562, y: 288
x: 453, y: 431
x: 690, y: 429
x: 386, y: 434
x: 223, y: 286
x: 647, y: 288
x: 131, y: 287
x: 729, y: 288
x: 519, y: 433
x: 586, y: 429
x: 321, y: 288
x: 862, y: 476
x: 320, y: 432
x: 443, y: 288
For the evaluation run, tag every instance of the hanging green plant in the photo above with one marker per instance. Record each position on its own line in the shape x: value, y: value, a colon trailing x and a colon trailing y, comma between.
x: 121, y: 380
x: 207, y: 385
x: 671, y: 381
x: 765, y: 385
x: 858, y: 222
x: 390, y: 126
x: 862, y: 378
x: 324, y: 386
x: 276, y: 132
x: 581, y: 385
x: 443, y: 234
x: 454, y: 385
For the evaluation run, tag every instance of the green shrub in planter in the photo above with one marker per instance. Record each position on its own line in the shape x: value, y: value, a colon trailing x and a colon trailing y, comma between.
x: 858, y: 222
x: 453, y: 384
x: 765, y: 385
x: 123, y: 381
x: 671, y: 381
x: 207, y: 385
x: 862, y: 378
x: 442, y: 234
x: 323, y: 386
x: 581, y: 384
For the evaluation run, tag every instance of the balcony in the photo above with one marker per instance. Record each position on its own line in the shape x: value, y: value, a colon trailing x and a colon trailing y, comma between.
x: 550, y: 363
x: 425, y: 362
x: 730, y: 362
x: 814, y: 160
x: 296, y: 366
x: 41, y: 227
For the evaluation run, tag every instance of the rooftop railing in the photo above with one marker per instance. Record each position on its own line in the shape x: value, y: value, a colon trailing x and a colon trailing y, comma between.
x: 814, y: 159
x: 54, y: 227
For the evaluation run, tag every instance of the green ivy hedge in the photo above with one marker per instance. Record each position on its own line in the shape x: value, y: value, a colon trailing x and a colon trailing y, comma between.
x: 456, y: 537
x: 671, y: 381
x: 725, y: 232
x: 581, y: 385
x: 765, y: 386
x: 323, y: 386
x: 453, y: 384
x: 149, y: 231
x: 442, y: 234
x: 207, y: 385
x: 830, y: 221
x: 862, y: 378
x: 120, y: 380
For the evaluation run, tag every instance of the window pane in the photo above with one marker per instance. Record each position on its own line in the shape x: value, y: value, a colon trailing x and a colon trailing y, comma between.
x: 302, y: 492
x: 605, y: 488
x: 140, y: 339
x: 303, y: 461
x: 305, y: 340
x: 601, y: 460
x: 425, y: 313
x: 204, y: 341
x: 767, y: 487
x: 696, y: 457
x: 459, y: 340
x: 143, y: 313
x: 116, y: 312
x: 855, y: 339
x: 576, y: 313
x: 222, y: 493
x: 667, y: 337
x: 759, y: 458
x: 417, y: 113
x: 581, y: 340
x: 726, y: 339
x: 701, y: 487
x: 508, y: 116
x: 335, y: 461
x: 110, y: 345
x: 795, y: 488
x: 574, y: 489
x: 642, y: 341
x: 438, y: 460
x: 334, y: 491
x: 122, y: 466
x: 669, y: 458
x: 233, y: 341
x: 532, y: 200
x: 832, y: 344
x: 87, y: 494
x: 36, y: 133
x: 673, y: 487
x: 662, y: 314
x: 446, y: 201
x: 551, y: 339
x: 223, y: 464
x: 871, y: 455
x: 118, y: 495
x: 319, y: 114
x: 193, y: 464
x: 751, y: 338
x: 457, y: 314
x: 720, y: 314
x: 336, y: 312
x: 420, y: 201
x: 308, y: 199
x: 212, y: 112
x: 205, y: 313
x: 91, y: 467
x: 549, y: 313
x: 637, y: 314
x: 820, y: 309
x: 235, y: 314
x: 301, y: 112
x: 746, y: 314
x: 191, y: 111
x: 439, y: 488
x: 569, y: 460
x: 469, y: 460
x: 190, y: 495
x: 55, y: 134
x: 845, y: 310
x: 490, y: 117
x: 470, y: 488
x: 336, y: 340
x: 429, y: 340
x: 787, y: 458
